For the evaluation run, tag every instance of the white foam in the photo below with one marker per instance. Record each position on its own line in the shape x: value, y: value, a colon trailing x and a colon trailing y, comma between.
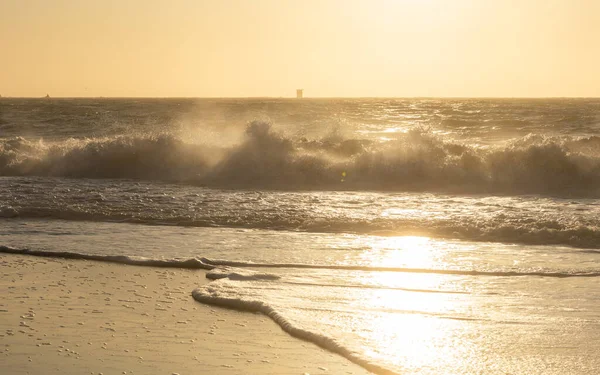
x: 416, y: 161
x: 239, y: 275
x: 191, y: 263
x: 224, y: 294
x: 223, y: 268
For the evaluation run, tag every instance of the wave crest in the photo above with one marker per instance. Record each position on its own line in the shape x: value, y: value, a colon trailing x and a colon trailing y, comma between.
x: 415, y: 161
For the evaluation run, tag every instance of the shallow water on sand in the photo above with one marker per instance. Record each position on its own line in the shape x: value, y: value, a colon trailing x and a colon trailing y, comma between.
x: 392, y: 303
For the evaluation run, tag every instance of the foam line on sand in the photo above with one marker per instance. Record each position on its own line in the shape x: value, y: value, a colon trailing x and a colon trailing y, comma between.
x: 60, y: 316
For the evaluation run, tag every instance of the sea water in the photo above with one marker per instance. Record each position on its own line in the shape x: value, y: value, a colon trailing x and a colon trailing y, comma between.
x: 412, y: 236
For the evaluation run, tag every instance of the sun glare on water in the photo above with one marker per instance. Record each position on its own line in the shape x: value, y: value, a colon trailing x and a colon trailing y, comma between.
x: 413, y: 323
x: 401, y: 251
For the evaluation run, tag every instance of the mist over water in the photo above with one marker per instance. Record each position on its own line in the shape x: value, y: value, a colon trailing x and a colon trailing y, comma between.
x: 356, y: 224
x: 479, y: 147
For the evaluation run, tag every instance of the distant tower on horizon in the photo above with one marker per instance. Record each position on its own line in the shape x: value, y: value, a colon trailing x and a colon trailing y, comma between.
x: 299, y: 93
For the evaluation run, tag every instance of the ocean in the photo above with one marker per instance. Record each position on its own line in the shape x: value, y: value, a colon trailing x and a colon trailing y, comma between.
x: 411, y: 236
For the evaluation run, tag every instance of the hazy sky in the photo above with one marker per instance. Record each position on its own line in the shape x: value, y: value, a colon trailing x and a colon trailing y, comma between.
x: 245, y: 48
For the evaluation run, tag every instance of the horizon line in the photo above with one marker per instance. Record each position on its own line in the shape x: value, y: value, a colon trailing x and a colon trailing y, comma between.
x: 300, y: 99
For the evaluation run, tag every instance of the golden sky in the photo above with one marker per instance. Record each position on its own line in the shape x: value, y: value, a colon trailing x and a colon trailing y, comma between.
x: 340, y: 48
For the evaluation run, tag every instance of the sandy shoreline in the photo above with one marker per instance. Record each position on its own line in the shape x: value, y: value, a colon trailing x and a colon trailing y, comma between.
x: 80, y: 317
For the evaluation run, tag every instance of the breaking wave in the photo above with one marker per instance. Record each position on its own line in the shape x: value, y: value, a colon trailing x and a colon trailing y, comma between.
x: 414, y: 161
x: 160, y: 157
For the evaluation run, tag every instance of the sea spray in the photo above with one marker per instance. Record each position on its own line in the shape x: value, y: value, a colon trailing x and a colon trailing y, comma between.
x: 417, y: 161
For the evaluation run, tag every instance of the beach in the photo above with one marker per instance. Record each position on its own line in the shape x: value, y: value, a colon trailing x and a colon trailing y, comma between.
x: 85, y: 317
x: 334, y: 187
x: 282, y: 236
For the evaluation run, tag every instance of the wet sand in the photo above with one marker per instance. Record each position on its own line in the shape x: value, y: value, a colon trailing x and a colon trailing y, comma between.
x: 77, y: 316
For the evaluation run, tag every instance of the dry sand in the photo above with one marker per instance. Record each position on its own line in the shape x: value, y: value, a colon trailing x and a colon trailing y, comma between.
x: 84, y: 317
